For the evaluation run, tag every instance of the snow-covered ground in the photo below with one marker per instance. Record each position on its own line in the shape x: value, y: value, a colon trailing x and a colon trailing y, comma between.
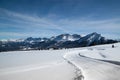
x: 103, y: 52
x: 98, y: 62
x: 88, y: 63
x: 35, y: 65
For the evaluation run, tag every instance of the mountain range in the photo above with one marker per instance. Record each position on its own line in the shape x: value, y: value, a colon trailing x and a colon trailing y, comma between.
x: 55, y: 42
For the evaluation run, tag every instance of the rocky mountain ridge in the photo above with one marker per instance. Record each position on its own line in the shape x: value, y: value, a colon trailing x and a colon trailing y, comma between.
x: 56, y: 42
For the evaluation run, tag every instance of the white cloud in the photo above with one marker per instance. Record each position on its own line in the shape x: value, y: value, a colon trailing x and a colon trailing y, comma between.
x: 47, y: 25
x: 105, y: 25
x: 11, y: 34
x: 25, y: 35
x: 30, y: 21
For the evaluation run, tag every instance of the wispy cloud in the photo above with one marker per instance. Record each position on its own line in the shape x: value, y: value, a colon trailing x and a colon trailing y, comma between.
x: 27, y: 25
x: 37, y: 26
x: 30, y: 21
x: 106, y: 25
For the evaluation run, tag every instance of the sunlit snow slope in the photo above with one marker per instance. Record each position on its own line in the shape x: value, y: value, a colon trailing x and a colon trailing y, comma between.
x: 35, y: 65
x: 92, y: 62
x: 100, y: 62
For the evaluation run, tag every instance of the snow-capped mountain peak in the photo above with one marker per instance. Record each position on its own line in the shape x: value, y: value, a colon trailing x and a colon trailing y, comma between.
x: 92, y: 39
x: 60, y: 41
x: 66, y: 37
x: 31, y: 40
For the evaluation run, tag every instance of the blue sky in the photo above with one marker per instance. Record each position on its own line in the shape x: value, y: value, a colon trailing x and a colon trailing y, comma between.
x: 46, y: 18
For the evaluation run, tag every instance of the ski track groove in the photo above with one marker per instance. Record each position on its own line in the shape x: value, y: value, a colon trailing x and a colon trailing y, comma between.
x: 75, y: 57
x: 78, y: 71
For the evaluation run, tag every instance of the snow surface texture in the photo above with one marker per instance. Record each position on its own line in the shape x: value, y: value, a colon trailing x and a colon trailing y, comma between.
x: 94, y: 69
x: 89, y: 63
x: 35, y: 65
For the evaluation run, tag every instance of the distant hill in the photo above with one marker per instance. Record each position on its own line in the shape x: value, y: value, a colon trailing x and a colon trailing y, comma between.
x: 56, y: 42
